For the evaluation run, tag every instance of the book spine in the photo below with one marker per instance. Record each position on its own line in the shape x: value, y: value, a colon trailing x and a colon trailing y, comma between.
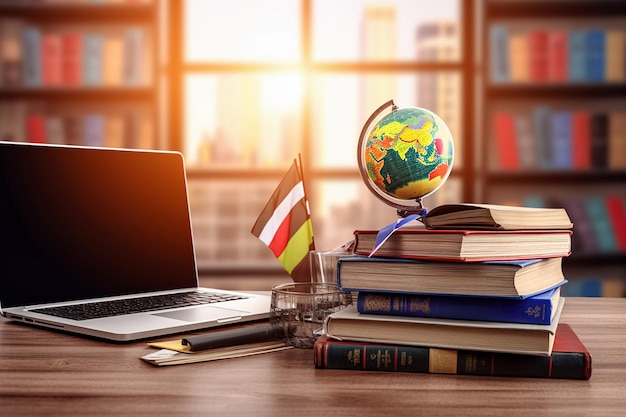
x: 459, y: 308
x: 601, y: 224
x: 538, y: 54
x: 617, y: 141
x: 31, y: 66
x: 577, y: 57
x: 598, y: 136
x: 331, y: 354
x: 72, y: 58
x: 616, y: 210
x: 92, y: 59
x: 499, y: 40
x: 581, y: 146
x: 557, y: 56
x: 51, y: 59
x: 595, y: 55
x: 506, y: 141
x: 542, y: 127
x: 562, y: 140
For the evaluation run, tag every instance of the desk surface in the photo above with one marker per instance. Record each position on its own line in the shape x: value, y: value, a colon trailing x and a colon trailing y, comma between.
x: 47, y: 373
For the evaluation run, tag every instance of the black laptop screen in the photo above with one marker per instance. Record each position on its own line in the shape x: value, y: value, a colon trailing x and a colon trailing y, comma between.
x: 81, y: 223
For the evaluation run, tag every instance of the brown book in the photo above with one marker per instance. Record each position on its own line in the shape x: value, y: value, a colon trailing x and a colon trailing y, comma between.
x: 487, y: 336
x: 570, y: 359
x: 466, y: 245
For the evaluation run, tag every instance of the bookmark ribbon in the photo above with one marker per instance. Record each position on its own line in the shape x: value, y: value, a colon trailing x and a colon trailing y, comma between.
x: 385, y: 233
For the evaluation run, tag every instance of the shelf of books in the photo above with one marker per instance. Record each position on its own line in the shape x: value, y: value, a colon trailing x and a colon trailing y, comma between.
x: 79, y: 73
x: 554, y: 125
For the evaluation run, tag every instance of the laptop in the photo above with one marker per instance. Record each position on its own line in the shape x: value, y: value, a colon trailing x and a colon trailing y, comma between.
x: 99, y: 242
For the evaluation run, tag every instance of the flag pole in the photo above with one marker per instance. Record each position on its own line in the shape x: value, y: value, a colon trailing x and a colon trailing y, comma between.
x: 306, y: 195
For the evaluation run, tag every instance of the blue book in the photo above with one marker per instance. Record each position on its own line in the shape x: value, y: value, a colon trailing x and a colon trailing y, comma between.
x: 92, y: 59
x: 543, y: 132
x: 539, y: 309
x: 499, y: 40
x: 31, y: 47
x: 577, y: 55
x: 596, y: 55
x: 562, y: 140
x: 93, y: 130
x: 513, y: 279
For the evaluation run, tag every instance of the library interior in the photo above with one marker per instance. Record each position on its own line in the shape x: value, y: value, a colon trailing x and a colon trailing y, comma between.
x: 533, y: 93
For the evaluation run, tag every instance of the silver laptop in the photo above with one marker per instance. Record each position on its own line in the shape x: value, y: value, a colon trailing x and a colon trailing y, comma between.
x: 99, y: 242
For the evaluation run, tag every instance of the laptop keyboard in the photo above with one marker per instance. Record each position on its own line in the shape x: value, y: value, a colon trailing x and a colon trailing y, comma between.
x: 102, y: 309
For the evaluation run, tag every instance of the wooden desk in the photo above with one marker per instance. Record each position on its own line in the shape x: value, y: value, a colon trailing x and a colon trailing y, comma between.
x: 48, y: 373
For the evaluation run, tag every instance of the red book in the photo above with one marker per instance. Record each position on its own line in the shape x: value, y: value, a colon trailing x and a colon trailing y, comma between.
x: 506, y: 141
x: 71, y: 62
x: 616, y: 211
x: 51, y: 59
x: 581, y: 138
x: 538, y: 55
x: 570, y: 359
x: 557, y: 56
x: 36, y: 128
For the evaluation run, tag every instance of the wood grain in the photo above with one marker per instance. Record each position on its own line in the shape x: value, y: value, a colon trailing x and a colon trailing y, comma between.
x: 50, y: 373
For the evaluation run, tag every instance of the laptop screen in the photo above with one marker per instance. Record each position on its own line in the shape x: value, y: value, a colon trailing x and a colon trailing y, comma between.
x: 79, y: 223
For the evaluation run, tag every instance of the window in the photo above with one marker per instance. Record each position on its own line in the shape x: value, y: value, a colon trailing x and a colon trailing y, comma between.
x: 263, y: 81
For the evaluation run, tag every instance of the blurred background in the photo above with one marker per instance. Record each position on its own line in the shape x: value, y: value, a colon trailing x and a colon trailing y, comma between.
x: 534, y: 93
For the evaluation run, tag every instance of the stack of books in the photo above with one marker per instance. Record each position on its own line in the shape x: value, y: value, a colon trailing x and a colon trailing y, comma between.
x: 475, y: 290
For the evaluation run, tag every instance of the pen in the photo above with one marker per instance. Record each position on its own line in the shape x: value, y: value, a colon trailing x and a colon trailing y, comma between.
x: 250, y: 334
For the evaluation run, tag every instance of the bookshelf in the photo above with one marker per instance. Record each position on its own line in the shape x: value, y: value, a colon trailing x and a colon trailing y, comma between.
x: 554, y: 125
x: 80, y: 73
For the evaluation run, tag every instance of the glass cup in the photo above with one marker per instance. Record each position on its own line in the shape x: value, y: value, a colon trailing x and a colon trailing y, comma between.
x: 298, y: 310
x: 324, y: 263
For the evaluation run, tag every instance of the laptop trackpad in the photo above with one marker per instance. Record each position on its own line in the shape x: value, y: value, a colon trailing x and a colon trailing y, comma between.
x: 202, y: 314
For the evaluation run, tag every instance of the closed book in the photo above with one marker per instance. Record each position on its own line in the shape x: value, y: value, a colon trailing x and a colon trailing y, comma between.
x: 616, y: 55
x: 599, y: 139
x: 506, y: 141
x: 466, y: 245
x: 557, y: 56
x: 538, y: 309
x: 488, y: 336
x: 561, y: 140
x: 596, y: 55
x: 518, y: 57
x: 92, y: 59
x: 577, y: 55
x: 581, y: 140
x: 72, y: 59
x: 583, y: 238
x: 93, y: 130
x: 517, y: 279
x: 51, y: 59
x: 570, y: 359
x: 601, y: 224
x: 526, y: 146
x: 538, y: 55
x: 133, y: 56
x: 496, y: 217
x: 499, y: 42
x: 112, y: 60
x: 616, y: 159
x: 31, y: 56
x: 55, y: 132
x: 36, y: 128
x: 616, y: 211
x: 543, y: 136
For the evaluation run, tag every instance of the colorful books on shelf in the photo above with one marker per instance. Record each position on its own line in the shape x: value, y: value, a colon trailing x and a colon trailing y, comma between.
x: 570, y: 140
x: 515, y: 279
x: 564, y: 53
x: 570, y: 359
x: 538, y: 309
x: 489, y: 336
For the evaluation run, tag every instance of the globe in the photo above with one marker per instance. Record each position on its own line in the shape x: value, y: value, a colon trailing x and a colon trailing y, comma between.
x: 405, y: 156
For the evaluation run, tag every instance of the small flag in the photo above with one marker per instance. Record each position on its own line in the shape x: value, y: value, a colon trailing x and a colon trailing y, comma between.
x: 285, y: 227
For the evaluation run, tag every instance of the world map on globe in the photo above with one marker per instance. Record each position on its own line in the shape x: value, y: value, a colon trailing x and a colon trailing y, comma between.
x: 409, y: 153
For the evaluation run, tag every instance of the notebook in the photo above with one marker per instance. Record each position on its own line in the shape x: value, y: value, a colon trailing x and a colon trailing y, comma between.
x: 87, y: 235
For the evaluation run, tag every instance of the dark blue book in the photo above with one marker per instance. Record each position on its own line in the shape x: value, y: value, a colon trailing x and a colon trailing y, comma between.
x: 538, y: 309
x: 596, y: 55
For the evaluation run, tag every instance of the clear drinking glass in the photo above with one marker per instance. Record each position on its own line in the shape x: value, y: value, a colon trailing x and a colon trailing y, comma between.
x: 298, y: 310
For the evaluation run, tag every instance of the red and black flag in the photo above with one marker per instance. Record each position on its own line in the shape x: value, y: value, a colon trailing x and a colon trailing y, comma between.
x: 285, y: 227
